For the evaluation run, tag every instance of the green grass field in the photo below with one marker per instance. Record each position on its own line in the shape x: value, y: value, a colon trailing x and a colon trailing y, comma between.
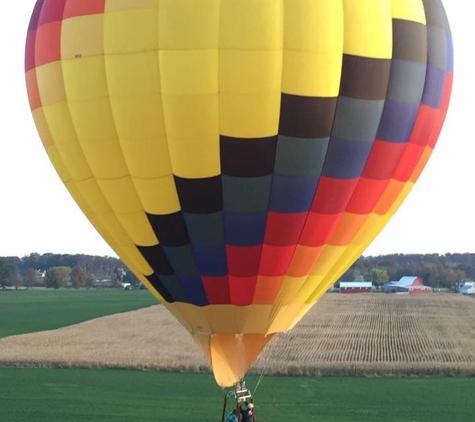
x: 37, y: 310
x: 66, y: 395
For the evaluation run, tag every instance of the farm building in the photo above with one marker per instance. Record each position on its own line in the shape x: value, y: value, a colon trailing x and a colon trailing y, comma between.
x: 356, y: 287
x: 468, y: 288
x: 407, y: 284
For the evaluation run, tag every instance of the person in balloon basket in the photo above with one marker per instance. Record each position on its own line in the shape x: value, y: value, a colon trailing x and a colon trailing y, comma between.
x: 247, y: 414
x: 234, y: 416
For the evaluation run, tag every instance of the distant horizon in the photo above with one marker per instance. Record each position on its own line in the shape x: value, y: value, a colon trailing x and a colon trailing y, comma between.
x: 361, y: 256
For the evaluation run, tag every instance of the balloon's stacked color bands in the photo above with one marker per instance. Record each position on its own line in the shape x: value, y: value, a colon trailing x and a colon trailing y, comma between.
x: 239, y: 155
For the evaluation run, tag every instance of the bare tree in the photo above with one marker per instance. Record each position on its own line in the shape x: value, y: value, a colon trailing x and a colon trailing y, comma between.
x: 78, y: 277
x: 30, y: 277
x: 6, y: 273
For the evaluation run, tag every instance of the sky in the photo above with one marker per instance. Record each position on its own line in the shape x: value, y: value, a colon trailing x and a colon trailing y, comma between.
x: 37, y: 213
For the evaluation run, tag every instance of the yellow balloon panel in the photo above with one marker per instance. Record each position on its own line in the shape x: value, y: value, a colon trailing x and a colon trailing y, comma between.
x: 137, y: 227
x: 43, y: 127
x: 250, y: 90
x: 313, y: 47
x: 93, y: 120
x: 185, y: 25
x: 51, y: 92
x: 201, y: 111
x: 251, y: 25
x: 368, y: 28
x: 196, y: 157
x: 116, y: 5
x: 74, y: 160
x: 57, y: 161
x: 289, y: 288
x: 61, y: 127
x: 158, y: 196
x: 141, y: 35
x: 189, y: 72
x: 112, y: 167
x: 93, y: 195
x: 85, y: 80
x: 82, y: 37
x: 139, y: 118
x: 121, y: 195
x: 412, y: 10
x: 242, y: 116
x: 147, y: 158
x: 133, y: 75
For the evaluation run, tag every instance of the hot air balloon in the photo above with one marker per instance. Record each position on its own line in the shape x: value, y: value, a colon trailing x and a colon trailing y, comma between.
x: 238, y: 155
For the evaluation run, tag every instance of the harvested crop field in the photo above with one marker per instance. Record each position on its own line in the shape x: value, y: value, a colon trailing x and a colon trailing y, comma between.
x: 343, y: 335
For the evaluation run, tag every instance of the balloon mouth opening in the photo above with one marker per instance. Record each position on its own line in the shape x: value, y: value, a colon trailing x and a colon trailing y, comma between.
x: 231, y: 355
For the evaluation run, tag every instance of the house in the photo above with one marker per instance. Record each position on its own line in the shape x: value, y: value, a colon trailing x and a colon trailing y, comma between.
x: 406, y: 285
x: 356, y: 287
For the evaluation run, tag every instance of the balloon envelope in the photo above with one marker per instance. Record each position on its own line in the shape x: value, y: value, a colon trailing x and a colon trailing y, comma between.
x: 238, y: 155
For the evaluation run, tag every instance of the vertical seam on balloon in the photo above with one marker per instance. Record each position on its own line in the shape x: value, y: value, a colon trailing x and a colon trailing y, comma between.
x: 166, y: 132
x: 220, y: 6
x: 106, y: 74
x: 276, y: 302
x: 223, y: 215
x: 217, y: 46
x: 302, y: 305
x: 282, y: 6
x: 279, y: 299
x: 223, y: 225
x: 125, y: 161
x: 166, y: 136
x: 171, y: 165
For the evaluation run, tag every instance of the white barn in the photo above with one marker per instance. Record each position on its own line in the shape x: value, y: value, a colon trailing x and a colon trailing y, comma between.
x: 468, y: 288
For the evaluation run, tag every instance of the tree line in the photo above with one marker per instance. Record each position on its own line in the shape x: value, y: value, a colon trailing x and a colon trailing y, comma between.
x: 60, y: 270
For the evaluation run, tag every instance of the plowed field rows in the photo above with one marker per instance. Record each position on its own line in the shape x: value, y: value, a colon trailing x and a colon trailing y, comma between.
x: 364, y: 334
x: 380, y: 334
